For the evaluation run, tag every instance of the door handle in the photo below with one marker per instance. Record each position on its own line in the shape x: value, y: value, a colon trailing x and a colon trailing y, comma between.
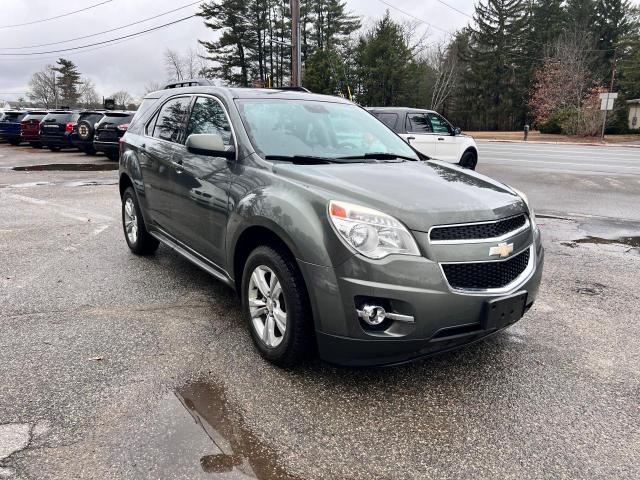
x: 177, y: 166
x: 441, y: 139
x: 410, y: 138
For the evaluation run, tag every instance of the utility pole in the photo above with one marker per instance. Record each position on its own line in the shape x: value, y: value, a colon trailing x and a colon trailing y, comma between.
x: 613, y: 77
x: 296, y: 63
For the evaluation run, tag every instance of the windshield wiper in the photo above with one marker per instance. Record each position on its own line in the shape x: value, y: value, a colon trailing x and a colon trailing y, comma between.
x: 310, y: 159
x: 379, y: 156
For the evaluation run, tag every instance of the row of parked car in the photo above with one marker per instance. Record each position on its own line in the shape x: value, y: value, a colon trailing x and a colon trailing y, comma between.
x: 90, y: 131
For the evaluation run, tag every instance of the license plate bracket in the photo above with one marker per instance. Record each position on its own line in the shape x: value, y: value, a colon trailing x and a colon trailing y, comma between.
x: 500, y: 312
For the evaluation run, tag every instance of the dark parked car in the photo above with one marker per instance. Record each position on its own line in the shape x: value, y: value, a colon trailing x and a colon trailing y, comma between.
x: 30, y: 127
x: 56, y: 128
x: 336, y: 233
x: 10, y: 126
x: 84, y: 129
x: 109, y: 130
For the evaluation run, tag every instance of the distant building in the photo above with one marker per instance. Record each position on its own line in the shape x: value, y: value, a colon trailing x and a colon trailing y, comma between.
x: 634, y: 113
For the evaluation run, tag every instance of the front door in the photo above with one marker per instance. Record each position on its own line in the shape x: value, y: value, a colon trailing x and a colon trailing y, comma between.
x: 202, y: 184
x: 156, y: 155
x: 420, y: 135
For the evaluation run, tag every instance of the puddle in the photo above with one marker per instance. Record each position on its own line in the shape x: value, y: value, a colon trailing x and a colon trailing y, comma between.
x: 204, y: 436
x: 67, y: 167
x: 629, y: 241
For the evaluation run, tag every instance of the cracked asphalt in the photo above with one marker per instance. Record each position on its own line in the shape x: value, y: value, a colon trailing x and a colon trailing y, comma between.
x: 119, y: 367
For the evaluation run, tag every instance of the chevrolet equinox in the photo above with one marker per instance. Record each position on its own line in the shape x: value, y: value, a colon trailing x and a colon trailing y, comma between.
x: 338, y: 236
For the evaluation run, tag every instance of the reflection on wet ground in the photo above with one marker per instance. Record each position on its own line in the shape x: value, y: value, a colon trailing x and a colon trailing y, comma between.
x: 233, y: 451
x: 67, y: 167
x: 630, y: 241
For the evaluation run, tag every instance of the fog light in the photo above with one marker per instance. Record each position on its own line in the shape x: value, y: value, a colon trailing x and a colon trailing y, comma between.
x: 372, y: 314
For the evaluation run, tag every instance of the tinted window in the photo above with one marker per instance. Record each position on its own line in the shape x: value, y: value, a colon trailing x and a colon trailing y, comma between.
x: 91, y: 117
x: 389, y: 119
x: 14, y: 116
x: 115, y: 119
x: 418, y: 123
x: 61, y: 117
x: 171, y: 119
x: 34, y: 116
x: 208, y: 116
x: 439, y: 124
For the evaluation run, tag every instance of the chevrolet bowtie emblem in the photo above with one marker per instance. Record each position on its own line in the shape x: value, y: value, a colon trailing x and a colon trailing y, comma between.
x: 503, y: 249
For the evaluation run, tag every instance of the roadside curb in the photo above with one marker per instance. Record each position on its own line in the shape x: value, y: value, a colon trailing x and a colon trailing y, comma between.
x: 592, y: 144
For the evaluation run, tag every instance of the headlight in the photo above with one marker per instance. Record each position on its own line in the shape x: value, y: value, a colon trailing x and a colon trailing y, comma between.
x: 372, y: 233
x: 525, y: 199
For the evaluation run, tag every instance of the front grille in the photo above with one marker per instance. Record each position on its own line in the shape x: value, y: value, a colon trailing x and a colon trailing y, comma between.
x: 485, y: 275
x: 478, y: 231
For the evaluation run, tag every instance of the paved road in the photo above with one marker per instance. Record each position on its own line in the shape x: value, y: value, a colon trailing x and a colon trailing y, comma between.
x: 115, y: 366
x: 569, y: 179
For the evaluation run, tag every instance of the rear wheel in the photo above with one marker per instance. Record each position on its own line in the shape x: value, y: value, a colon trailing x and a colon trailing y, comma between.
x: 135, y: 232
x: 54, y: 149
x: 276, y: 306
x: 15, y: 143
x: 89, y: 151
x: 469, y: 160
x: 112, y: 155
x: 35, y: 144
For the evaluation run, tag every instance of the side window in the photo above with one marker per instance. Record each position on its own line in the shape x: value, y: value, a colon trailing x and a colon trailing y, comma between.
x: 418, y: 123
x: 207, y: 116
x: 171, y: 119
x: 439, y: 124
x: 389, y: 119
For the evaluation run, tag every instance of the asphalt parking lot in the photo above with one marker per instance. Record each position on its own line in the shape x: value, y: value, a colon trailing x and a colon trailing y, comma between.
x: 115, y: 366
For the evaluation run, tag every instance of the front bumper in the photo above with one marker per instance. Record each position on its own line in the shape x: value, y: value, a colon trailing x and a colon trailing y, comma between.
x: 415, y: 286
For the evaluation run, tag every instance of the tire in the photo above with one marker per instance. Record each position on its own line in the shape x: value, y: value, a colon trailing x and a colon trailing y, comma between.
x: 84, y: 130
x: 113, y: 156
x: 469, y: 160
x: 296, y: 343
x: 140, y: 242
x: 15, y: 143
x: 35, y: 145
x: 89, y: 151
x: 54, y: 149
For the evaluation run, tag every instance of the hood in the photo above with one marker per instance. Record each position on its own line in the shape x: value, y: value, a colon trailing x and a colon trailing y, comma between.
x: 420, y: 194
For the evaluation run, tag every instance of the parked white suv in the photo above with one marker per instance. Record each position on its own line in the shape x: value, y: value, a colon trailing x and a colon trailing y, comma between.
x: 430, y: 133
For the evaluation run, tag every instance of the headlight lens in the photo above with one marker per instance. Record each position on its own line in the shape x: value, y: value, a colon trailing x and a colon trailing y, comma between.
x: 525, y: 199
x: 372, y: 233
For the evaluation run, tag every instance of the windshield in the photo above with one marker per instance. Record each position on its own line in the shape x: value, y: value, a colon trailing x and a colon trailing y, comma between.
x: 279, y: 127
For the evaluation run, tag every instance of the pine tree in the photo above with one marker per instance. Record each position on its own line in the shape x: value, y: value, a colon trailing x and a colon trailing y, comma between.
x: 579, y: 14
x: 498, y: 63
x: 612, y: 22
x: 67, y: 81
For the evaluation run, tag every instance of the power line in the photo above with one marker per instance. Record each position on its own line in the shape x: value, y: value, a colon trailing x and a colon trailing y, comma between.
x: 97, y: 43
x: 105, y: 31
x: 454, y: 8
x: 57, y: 16
x: 415, y: 18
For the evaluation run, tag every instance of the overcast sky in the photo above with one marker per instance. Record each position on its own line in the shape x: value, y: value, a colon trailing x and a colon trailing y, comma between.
x: 130, y: 64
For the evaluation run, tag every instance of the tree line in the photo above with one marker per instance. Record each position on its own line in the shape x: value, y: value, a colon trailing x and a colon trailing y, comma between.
x: 62, y: 85
x: 540, y: 62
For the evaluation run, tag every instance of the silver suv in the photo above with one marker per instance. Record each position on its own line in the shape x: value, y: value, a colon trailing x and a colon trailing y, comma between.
x: 338, y: 236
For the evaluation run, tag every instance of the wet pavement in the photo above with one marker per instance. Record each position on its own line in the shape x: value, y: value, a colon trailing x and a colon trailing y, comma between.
x: 116, y: 366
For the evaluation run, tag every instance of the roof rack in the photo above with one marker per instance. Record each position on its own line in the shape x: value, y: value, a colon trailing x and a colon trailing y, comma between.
x: 191, y: 82
x: 295, y: 89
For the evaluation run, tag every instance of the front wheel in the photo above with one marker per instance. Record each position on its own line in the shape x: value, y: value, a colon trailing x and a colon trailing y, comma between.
x: 469, y: 160
x: 135, y: 232
x: 276, y: 306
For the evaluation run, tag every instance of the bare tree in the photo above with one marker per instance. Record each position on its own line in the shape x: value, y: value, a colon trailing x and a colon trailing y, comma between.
x: 174, y: 64
x: 122, y: 98
x: 87, y: 91
x: 43, y: 89
x: 444, y: 62
x: 151, y: 87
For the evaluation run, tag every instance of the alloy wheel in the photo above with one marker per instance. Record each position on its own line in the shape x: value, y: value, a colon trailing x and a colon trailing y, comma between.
x: 266, y: 306
x: 130, y: 221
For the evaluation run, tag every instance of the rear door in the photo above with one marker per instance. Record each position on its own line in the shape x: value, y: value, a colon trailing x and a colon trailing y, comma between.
x: 447, y: 144
x: 420, y: 134
x: 202, y: 184
x: 156, y: 154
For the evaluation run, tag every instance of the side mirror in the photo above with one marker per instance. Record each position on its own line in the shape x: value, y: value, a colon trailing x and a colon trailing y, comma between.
x: 457, y: 131
x: 209, y: 144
